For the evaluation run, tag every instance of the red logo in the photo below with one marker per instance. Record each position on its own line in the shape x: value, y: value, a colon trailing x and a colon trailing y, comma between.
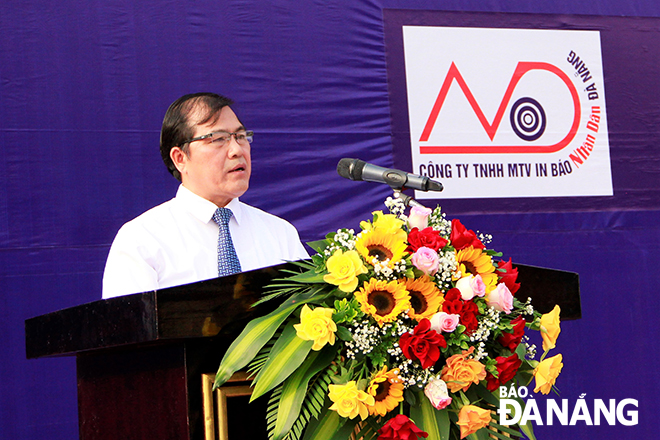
x: 527, y: 116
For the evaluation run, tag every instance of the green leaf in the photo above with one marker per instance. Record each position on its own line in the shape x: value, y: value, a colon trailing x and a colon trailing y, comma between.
x: 318, y: 261
x: 255, y: 335
x: 294, y: 389
x: 499, y: 435
x: 313, y: 404
x: 280, y: 290
x: 486, y: 395
x: 482, y: 434
x: 428, y: 419
x: 411, y: 397
x: 505, y: 429
x: 309, y: 277
x: 318, y: 245
x: 305, y: 264
x: 339, y: 316
x: 286, y: 356
x: 528, y: 429
x: 260, y: 359
x: 370, y: 429
x: 329, y: 426
x: 344, y: 334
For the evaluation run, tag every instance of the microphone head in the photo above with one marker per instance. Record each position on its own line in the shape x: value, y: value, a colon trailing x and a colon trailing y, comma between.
x: 435, y: 186
x: 351, y: 168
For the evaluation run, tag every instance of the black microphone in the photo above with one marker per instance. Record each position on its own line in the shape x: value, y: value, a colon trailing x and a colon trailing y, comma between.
x: 356, y: 169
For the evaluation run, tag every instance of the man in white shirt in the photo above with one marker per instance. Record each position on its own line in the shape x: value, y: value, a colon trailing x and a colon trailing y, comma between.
x: 207, y: 148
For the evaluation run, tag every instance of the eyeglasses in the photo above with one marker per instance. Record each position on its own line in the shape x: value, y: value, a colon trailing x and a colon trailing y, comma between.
x: 220, y: 138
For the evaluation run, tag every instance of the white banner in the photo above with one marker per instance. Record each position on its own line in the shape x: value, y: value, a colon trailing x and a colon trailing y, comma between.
x: 507, y: 112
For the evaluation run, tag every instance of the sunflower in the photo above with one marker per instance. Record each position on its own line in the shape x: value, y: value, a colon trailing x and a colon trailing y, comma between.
x: 387, y: 390
x: 425, y: 297
x: 477, y: 262
x: 380, y: 245
x: 383, y: 300
x: 390, y: 224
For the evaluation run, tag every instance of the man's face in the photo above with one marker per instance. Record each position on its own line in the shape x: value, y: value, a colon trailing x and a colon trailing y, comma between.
x: 218, y: 174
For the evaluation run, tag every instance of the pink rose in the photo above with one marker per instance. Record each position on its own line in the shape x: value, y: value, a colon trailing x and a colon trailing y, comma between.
x: 419, y: 217
x: 436, y: 391
x: 444, y: 322
x: 471, y: 286
x: 426, y: 260
x: 501, y: 299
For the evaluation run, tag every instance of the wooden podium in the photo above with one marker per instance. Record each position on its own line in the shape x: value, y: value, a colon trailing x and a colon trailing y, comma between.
x: 141, y: 359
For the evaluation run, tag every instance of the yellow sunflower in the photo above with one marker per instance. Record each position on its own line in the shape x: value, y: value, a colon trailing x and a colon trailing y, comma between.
x: 477, y: 262
x: 383, y: 300
x: 380, y: 245
x: 387, y: 390
x: 390, y: 224
x: 425, y: 297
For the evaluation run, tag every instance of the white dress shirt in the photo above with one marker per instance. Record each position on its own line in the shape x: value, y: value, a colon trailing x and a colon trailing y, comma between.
x: 177, y: 243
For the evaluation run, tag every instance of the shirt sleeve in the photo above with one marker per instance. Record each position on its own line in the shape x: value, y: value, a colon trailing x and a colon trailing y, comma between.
x: 296, y: 248
x: 129, y: 268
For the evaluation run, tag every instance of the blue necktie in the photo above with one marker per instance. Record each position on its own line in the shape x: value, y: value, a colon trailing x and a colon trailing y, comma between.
x: 227, y: 259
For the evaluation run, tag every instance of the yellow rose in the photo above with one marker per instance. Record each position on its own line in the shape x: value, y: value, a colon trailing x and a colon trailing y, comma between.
x: 546, y: 373
x: 350, y: 402
x: 344, y: 269
x: 550, y: 328
x: 471, y: 419
x: 316, y: 325
x: 460, y: 372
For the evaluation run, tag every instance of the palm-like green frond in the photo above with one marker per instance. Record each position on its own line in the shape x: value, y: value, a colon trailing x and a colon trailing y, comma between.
x: 271, y: 412
x: 369, y: 429
x: 288, y: 289
x: 311, y: 407
x: 313, y: 403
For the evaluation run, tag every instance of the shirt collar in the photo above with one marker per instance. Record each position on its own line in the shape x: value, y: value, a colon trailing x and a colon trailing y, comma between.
x: 203, y: 209
x: 237, y: 208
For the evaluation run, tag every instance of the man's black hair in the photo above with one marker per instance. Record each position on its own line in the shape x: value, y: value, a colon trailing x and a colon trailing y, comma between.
x: 177, y: 127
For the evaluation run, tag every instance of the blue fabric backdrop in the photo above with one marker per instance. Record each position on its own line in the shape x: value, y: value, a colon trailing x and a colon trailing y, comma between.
x: 83, y: 89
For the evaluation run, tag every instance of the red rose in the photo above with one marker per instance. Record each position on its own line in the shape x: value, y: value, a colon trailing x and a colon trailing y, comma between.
x: 507, y: 367
x: 508, y: 275
x: 511, y: 340
x: 461, y: 237
x: 453, y: 294
x: 467, y: 310
x: 469, y: 316
x: 423, y: 344
x: 427, y: 237
x: 400, y: 428
x: 453, y: 303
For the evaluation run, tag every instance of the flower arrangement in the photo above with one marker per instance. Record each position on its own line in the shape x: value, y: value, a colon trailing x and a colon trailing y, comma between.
x: 404, y: 330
